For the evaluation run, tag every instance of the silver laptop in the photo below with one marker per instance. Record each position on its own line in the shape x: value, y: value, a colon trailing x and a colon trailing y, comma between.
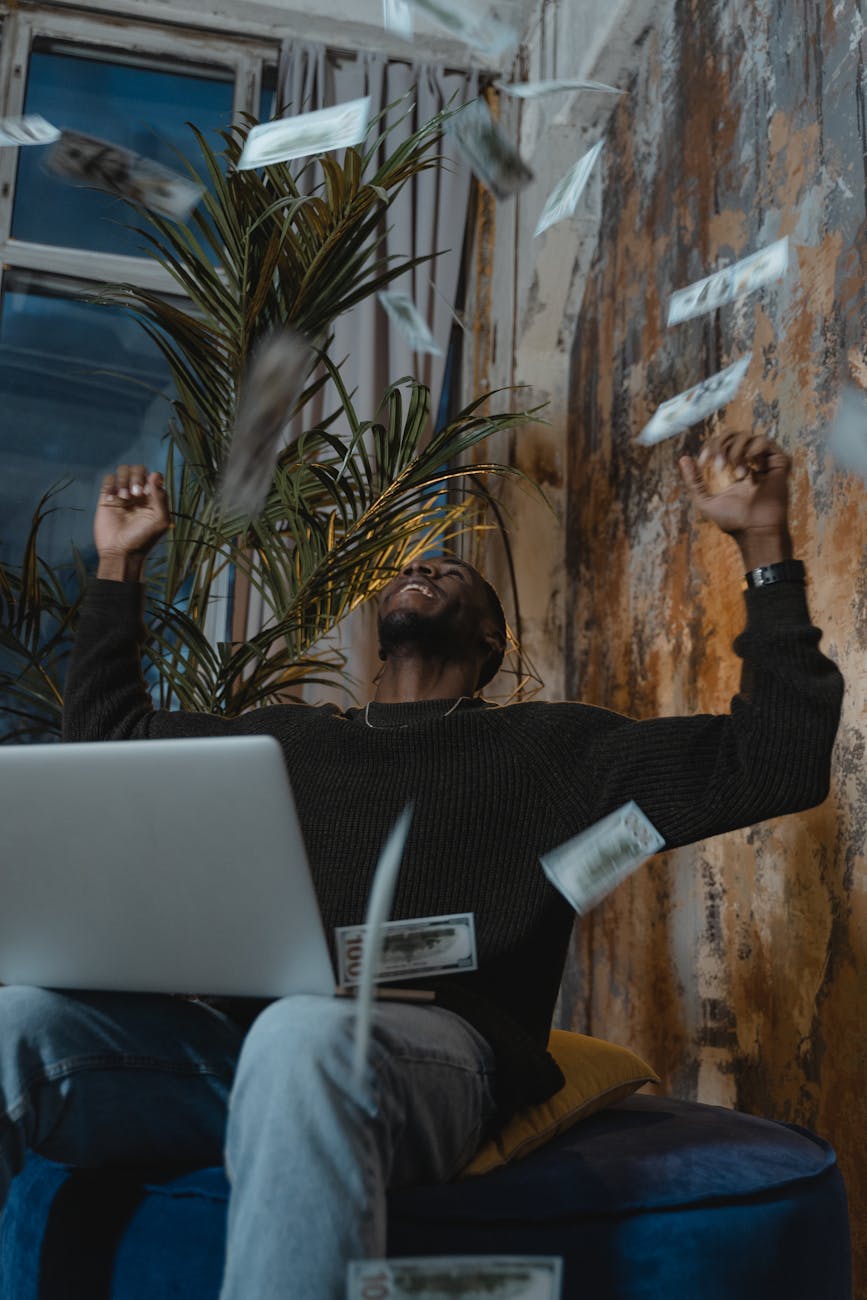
x: 172, y: 866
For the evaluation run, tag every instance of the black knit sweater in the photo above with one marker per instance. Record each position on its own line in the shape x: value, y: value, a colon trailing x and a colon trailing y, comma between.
x: 493, y: 788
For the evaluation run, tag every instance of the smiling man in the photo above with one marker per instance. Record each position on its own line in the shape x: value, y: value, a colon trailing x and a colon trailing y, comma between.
x: 442, y: 633
x: 98, y: 1078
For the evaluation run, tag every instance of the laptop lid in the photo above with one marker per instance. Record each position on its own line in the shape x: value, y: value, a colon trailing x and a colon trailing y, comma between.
x: 171, y: 866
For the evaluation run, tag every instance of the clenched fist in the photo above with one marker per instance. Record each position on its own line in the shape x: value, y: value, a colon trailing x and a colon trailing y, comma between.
x: 753, y: 509
x: 131, y: 516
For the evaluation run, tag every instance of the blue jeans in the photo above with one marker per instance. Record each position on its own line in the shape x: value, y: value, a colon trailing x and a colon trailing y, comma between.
x: 96, y: 1079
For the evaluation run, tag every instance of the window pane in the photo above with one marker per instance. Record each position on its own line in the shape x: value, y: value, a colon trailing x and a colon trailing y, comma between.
x: 268, y: 95
x: 144, y: 108
x: 83, y: 389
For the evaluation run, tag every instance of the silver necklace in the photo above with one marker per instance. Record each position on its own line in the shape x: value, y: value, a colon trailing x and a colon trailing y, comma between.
x: 401, y: 725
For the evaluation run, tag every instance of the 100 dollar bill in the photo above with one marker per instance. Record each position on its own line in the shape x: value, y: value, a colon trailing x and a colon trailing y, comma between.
x: 590, y: 865
x: 746, y: 276
x: 110, y: 167
x: 30, y: 129
x: 270, y: 393
x: 307, y: 133
x: 457, y: 1277
x: 468, y: 23
x: 492, y: 157
x: 403, y: 313
x: 848, y: 437
x: 537, y: 89
x: 421, y: 947
x: 563, y: 199
x: 397, y: 18
x: 678, y: 413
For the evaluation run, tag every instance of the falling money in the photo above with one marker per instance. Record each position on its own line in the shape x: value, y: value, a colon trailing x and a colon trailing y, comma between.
x: 31, y: 129
x: 419, y: 947
x: 563, y: 199
x: 397, y: 17
x: 105, y: 166
x: 270, y: 391
x: 537, y: 89
x: 678, y: 413
x: 725, y: 286
x: 460, y: 19
x: 848, y: 438
x: 457, y: 1277
x: 590, y: 865
x: 490, y: 155
x: 403, y: 313
x: 378, y: 908
x: 308, y: 133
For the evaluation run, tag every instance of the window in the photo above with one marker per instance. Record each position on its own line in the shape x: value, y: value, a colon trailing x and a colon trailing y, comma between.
x: 81, y: 385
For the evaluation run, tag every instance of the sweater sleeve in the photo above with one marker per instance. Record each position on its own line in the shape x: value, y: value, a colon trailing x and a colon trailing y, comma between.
x: 106, y: 697
x: 700, y: 776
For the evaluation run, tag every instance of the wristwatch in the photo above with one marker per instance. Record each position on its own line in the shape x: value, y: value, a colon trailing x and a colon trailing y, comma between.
x: 782, y: 571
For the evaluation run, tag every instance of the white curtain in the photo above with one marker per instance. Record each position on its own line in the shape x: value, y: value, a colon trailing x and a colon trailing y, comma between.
x: 428, y: 216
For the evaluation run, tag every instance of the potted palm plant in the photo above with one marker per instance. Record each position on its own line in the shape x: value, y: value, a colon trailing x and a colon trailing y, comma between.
x: 345, y: 508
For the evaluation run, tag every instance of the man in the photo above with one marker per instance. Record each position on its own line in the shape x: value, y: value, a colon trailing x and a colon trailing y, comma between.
x: 98, y: 1078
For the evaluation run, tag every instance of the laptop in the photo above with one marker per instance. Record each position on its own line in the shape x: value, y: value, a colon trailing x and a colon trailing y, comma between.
x: 157, y: 866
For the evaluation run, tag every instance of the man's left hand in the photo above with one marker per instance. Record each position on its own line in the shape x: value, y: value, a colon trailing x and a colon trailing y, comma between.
x: 754, y: 508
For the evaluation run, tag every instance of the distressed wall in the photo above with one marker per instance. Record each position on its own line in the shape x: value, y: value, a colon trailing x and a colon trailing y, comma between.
x: 737, y: 966
x: 524, y: 296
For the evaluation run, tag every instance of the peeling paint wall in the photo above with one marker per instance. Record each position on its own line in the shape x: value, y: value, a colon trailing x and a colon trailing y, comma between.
x: 524, y: 297
x: 736, y: 966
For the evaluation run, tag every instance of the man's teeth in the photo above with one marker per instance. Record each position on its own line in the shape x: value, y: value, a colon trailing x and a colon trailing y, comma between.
x: 416, y: 586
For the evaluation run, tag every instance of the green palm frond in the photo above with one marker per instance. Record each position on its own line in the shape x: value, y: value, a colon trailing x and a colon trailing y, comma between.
x: 352, y: 499
x: 38, y: 608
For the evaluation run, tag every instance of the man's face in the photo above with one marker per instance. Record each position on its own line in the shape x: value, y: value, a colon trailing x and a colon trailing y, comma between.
x: 439, y: 602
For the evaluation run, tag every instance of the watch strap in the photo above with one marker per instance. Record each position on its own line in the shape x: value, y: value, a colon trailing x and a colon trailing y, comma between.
x: 782, y: 571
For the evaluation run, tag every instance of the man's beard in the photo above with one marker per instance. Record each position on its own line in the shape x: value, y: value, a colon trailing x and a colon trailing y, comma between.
x: 401, y: 628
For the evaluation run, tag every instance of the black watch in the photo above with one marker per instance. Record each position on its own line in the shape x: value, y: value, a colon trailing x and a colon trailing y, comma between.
x: 782, y: 571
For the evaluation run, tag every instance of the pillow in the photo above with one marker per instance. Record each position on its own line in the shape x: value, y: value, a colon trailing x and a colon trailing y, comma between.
x: 597, y: 1074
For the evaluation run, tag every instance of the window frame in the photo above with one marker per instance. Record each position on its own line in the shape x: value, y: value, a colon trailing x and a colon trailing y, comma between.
x: 246, y: 60
x: 243, y: 57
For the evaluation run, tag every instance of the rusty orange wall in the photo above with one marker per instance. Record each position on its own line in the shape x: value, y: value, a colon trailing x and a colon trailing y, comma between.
x: 737, y: 966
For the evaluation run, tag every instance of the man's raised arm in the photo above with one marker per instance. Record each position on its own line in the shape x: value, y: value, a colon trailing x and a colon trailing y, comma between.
x: 699, y: 776
x: 105, y: 696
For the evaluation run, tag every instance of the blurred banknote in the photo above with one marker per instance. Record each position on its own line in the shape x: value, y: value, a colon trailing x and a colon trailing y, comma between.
x: 296, y: 137
x: 563, y: 199
x: 695, y: 404
x: 403, y: 313
x: 378, y: 908
x: 419, y: 947
x: 848, y: 439
x: 91, y: 161
x: 31, y: 129
x: 536, y: 89
x: 734, y: 282
x: 270, y: 390
x: 457, y: 1277
x: 588, y: 867
x: 467, y: 21
x: 397, y: 18
x: 492, y: 157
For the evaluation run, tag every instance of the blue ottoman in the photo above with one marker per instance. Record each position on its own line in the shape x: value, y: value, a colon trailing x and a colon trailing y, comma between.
x: 651, y: 1199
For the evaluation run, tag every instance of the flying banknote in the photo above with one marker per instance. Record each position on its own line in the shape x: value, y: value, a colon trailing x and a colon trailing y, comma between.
x: 679, y: 412
x: 736, y: 281
x: 457, y: 1277
x: 491, y: 156
x: 307, y: 133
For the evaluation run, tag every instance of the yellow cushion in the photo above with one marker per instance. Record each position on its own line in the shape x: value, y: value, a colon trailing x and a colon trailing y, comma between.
x: 597, y: 1074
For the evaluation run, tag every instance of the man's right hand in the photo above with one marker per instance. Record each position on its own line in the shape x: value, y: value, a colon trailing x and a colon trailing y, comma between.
x: 130, y: 518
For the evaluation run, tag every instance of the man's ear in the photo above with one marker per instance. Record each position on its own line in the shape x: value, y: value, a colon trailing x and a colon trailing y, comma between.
x: 494, y: 643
